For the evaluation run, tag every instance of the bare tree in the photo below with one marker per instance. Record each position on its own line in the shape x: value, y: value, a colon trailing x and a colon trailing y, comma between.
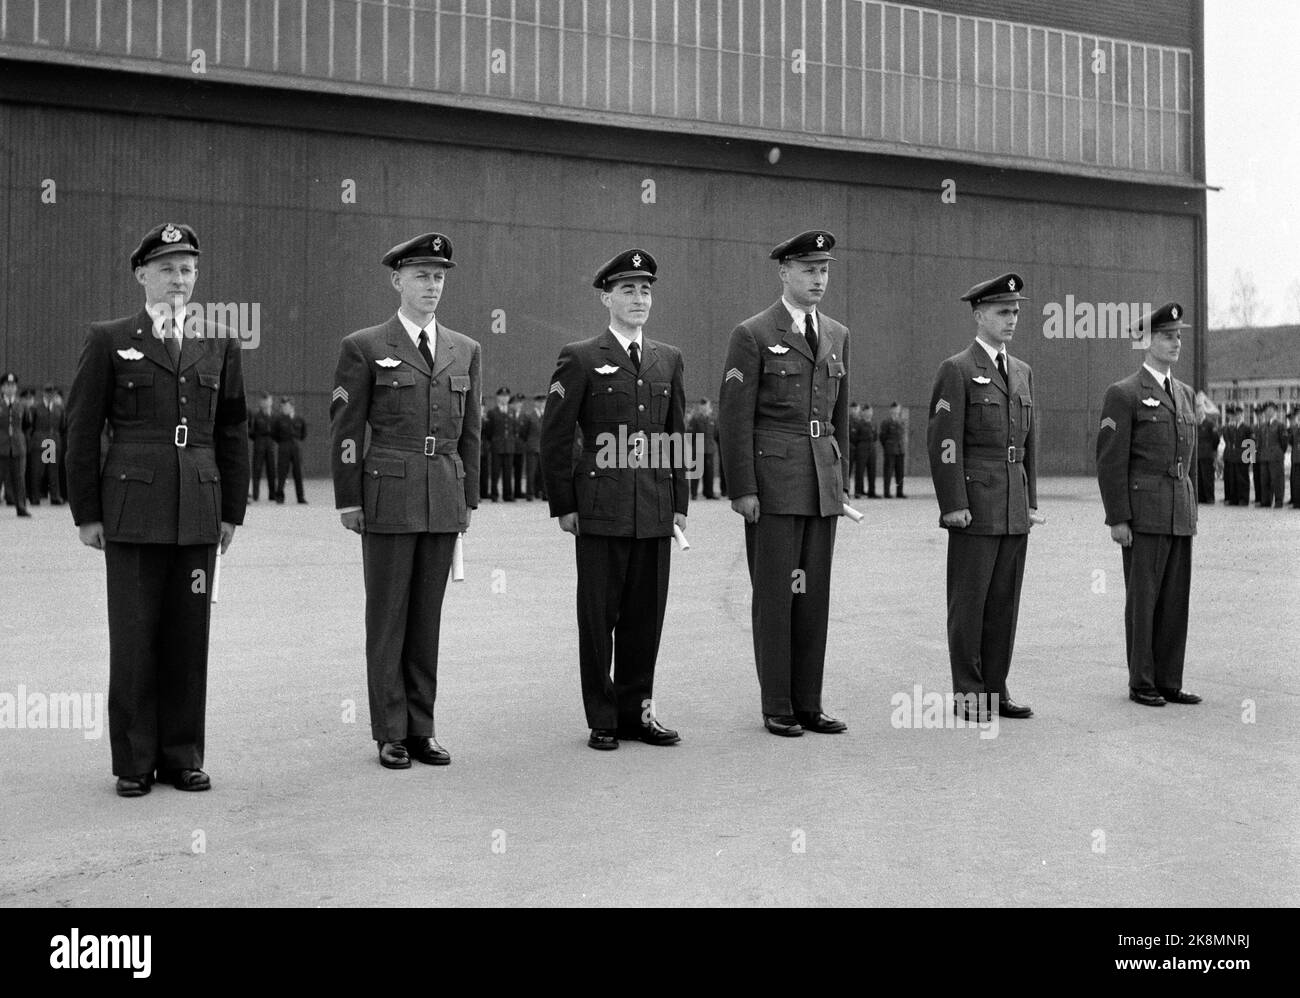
x: 1245, y: 308
x: 1217, y: 318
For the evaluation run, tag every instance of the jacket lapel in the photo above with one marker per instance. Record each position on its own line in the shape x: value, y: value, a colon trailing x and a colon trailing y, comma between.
x: 195, y: 349
x: 614, y: 353
x: 789, y: 335
x: 444, y: 353
x: 987, y: 368
x: 401, y: 347
x: 1157, y: 391
x: 144, y: 340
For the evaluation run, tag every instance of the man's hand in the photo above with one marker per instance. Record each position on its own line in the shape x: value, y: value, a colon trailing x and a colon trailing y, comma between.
x: 746, y: 506
x: 569, y: 523
x: 957, y: 518
x: 1122, y: 534
x: 227, y: 535
x: 92, y: 535
x: 354, y: 520
x: 679, y: 521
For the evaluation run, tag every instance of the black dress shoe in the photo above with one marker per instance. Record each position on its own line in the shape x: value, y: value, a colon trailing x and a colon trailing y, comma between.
x: 1009, y: 708
x: 1146, y: 699
x: 821, y: 723
x: 185, y: 779
x: 785, y: 725
x: 652, y: 733
x: 603, y: 739
x: 1179, y: 696
x: 134, y: 786
x: 428, y: 751
x: 23, y: 511
x: 393, y: 755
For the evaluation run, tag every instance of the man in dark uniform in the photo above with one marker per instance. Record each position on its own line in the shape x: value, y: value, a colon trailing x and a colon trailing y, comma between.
x: 620, y: 498
x: 982, y: 442
x: 893, y: 436
x: 1272, y: 439
x: 783, y: 423
x: 259, y: 431
x: 1207, y: 451
x: 1146, y: 446
x: 484, y: 455
x: 703, y: 427
x: 863, y: 435
x: 529, y: 442
x: 1256, y: 464
x: 287, y: 430
x: 501, y: 428
x: 1295, y: 456
x: 1236, y: 481
x: 416, y: 384
x: 15, y: 425
x: 520, y: 461
x: 172, y: 489
x: 44, y: 452
x: 536, y: 480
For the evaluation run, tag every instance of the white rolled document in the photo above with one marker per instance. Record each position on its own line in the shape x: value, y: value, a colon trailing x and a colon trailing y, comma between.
x: 853, y: 514
x: 458, y: 560
x: 1037, y: 518
x: 216, y: 575
x: 681, y: 538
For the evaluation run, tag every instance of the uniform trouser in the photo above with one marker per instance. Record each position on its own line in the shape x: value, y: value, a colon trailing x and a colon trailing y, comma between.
x: 290, y: 456
x: 1236, y: 483
x: 518, y: 471
x: 1157, y: 581
x: 1257, y: 477
x: 158, y: 654
x: 503, y: 470
x: 536, y: 487
x: 13, y: 472
x: 790, y: 611
x: 894, y: 467
x: 485, y: 472
x: 43, y: 470
x: 264, y: 463
x: 1295, y: 477
x: 984, y: 576
x: 865, y: 460
x: 1272, y: 483
x: 1205, y: 481
x: 622, y: 592
x: 708, y: 471
x: 406, y: 578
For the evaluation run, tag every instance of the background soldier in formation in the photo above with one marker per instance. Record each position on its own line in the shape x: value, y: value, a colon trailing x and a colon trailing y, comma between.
x: 416, y: 384
x: 45, y: 452
x: 982, y: 445
x: 530, y: 445
x: 893, y: 440
x: 783, y: 422
x: 1236, y: 470
x: 1207, y: 452
x: 15, y: 423
x: 501, y: 427
x: 1295, y: 456
x: 287, y: 430
x: 173, y: 487
x: 862, y: 442
x: 619, y: 386
x: 1273, y: 440
x: 703, y: 428
x: 1145, y: 448
x: 259, y: 431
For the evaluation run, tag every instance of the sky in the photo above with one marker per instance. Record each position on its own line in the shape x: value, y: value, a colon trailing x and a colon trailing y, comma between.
x: 1252, y: 151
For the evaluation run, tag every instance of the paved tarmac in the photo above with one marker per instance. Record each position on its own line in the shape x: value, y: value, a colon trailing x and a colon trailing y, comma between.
x: 1094, y: 801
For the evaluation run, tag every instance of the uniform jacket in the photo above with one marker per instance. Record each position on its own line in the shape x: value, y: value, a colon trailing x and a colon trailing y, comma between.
x: 707, y: 429
x: 772, y: 391
x: 1207, y: 443
x: 529, y: 439
x: 151, y: 491
x: 286, y: 429
x: 610, y: 410
x: 15, y: 425
x: 975, y: 422
x: 259, y: 426
x: 502, y: 430
x: 1273, y: 440
x: 47, y: 422
x: 1233, y: 437
x: 863, y: 435
x: 1143, y: 459
x: 421, y: 470
x: 892, y: 435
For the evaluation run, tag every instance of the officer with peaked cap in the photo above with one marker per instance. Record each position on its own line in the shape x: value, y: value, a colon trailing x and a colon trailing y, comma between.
x: 620, y: 498
x: 415, y: 384
x: 15, y: 421
x: 982, y: 444
x: 784, y: 435
x: 173, y: 487
x: 1146, y: 453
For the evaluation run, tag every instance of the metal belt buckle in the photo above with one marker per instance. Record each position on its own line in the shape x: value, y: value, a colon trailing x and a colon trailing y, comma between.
x: 182, y: 435
x: 815, y: 427
x: 1179, y: 466
x: 1011, y: 455
x: 638, y: 445
x: 430, y: 446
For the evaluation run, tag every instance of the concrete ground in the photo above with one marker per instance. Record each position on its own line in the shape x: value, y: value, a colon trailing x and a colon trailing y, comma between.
x: 1094, y: 801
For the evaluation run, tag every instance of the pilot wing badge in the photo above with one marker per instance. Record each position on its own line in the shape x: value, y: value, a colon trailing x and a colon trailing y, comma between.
x: 607, y: 369
x: 388, y: 362
x: 776, y: 348
x: 130, y: 354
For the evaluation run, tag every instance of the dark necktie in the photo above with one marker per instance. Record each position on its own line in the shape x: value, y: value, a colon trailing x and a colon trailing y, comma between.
x: 1169, y: 389
x: 173, y: 344
x: 424, y: 348
x: 634, y: 351
x: 810, y: 333
x: 1002, y: 368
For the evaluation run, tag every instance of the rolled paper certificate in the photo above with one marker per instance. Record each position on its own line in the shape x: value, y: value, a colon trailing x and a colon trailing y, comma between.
x: 216, y: 576
x: 852, y: 513
x: 1037, y: 518
x: 681, y: 538
x: 458, y: 560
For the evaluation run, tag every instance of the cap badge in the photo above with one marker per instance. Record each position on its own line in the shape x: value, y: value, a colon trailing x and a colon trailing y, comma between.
x: 437, y: 243
x: 171, y: 234
x: 636, y: 262
x: 1011, y: 284
x: 1174, y: 311
x: 821, y: 241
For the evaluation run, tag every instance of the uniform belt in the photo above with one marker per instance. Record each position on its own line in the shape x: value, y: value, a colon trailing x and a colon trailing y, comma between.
x: 812, y: 428
x: 180, y: 435
x: 1175, y: 469
x: 428, y: 446
x: 1011, y: 455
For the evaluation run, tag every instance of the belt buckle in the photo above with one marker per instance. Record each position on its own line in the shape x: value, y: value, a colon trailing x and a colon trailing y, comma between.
x: 1179, y: 466
x: 638, y: 445
x: 430, y: 446
x: 1011, y: 455
x: 815, y: 427
x: 182, y: 435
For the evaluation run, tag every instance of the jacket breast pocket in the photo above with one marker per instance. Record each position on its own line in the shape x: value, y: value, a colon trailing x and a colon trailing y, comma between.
x: 133, y: 397
x: 985, y: 412
x: 395, y: 390
x: 597, y: 493
x: 660, y: 394
x: 1026, y: 412
x: 783, y: 382
x: 384, y: 490
x: 209, y: 393
x: 459, y: 392
x: 835, y: 372
x: 611, y: 402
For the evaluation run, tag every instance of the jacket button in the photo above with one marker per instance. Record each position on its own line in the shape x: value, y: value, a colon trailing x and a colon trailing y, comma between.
x: 123, y: 477
x: 815, y: 409
x: 639, y: 381
x: 130, y: 384
x: 394, y: 384
x: 184, y: 419
x: 183, y: 400
x: 435, y: 406
x: 783, y: 374
x: 591, y: 473
x: 182, y: 379
x: 641, y: 408
x: 610, y: 389
x: 816, y: 390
